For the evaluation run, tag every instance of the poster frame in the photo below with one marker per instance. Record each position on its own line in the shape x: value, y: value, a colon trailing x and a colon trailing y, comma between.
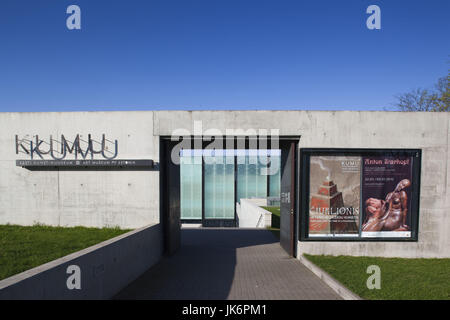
x: 305, y: 155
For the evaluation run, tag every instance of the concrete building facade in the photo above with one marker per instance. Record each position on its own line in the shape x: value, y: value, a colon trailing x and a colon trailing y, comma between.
x: 134, y: 196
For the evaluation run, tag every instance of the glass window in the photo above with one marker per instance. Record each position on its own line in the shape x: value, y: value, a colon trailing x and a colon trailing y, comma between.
x: 251, y: 179
x: 225, y: 176
x: 274, y: 176
x: 191, y: 186
x: 219, y: 186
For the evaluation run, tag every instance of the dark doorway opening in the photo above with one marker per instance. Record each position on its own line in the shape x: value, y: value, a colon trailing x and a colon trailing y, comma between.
x: 289, y: 196
x: 170, y: 212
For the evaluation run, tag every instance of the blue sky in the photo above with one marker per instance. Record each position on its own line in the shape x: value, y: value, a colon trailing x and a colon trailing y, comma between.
x: 218, y: 54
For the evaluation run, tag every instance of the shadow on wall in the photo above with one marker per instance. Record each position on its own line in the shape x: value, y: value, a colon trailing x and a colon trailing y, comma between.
x: 203, y: 268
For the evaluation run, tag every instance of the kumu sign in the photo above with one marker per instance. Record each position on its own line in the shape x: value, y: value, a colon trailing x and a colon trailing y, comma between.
x: 59, y: 149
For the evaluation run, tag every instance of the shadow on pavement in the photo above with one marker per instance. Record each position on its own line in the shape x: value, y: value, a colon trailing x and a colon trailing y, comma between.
x: 203, y: 268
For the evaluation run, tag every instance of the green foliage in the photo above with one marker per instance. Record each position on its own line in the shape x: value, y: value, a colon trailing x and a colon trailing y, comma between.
x: 23, y: 248
x: 401, y: 279
x: 275, y: 216
x: 275, y: 227
x: 437, y: 99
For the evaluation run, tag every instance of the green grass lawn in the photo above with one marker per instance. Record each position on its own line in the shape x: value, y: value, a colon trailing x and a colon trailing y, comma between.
x: 400, y: 278
x: 275, y: 228
x: 23, y: 248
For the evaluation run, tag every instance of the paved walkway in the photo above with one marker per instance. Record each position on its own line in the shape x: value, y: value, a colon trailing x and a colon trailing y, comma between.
x: 228, y: 264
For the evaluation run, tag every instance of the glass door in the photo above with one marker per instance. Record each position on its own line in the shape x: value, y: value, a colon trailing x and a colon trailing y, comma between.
x: 191, y: 185
x: 219, y: 185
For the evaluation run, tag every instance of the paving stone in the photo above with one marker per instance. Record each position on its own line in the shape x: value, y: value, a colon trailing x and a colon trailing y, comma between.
x: 228, y: 263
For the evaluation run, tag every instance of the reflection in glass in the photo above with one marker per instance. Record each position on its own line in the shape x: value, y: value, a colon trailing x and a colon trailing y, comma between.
x: 219, y: 187
x: 191, y: 186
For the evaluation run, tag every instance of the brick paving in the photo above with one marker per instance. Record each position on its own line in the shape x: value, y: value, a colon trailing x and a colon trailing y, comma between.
x: 228, y: 264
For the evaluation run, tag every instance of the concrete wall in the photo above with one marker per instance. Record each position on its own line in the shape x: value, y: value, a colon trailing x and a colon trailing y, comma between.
x: 106, y: 268
x: 355, y: 129
x: 251, y: 215
x: 426, y: 131
x: 129, y: 199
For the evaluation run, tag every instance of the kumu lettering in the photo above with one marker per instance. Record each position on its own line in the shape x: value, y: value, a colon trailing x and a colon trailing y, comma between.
x: 58, y: 150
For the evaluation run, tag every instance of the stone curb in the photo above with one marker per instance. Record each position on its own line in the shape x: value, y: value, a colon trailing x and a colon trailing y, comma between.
x: 329, y: 280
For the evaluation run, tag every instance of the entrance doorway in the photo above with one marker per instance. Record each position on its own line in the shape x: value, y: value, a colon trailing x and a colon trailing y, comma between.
x: 206, y: 184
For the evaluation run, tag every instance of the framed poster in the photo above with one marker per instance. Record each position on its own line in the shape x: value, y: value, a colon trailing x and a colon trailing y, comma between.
x: 360, y: 194
x: 386, y: 196
x: 334, y: 196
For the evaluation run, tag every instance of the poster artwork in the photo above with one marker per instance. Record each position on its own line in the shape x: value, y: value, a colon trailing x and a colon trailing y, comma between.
x: 386, y: 194
x: 334, y: 206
